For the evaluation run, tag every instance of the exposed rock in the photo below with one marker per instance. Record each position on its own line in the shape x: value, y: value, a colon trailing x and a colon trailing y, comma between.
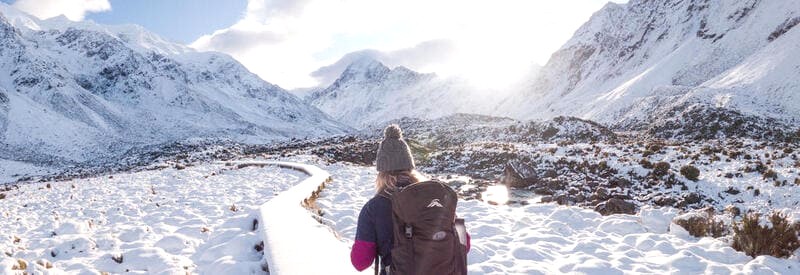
x: 601, y: 194
x: 689, y: 199
x: 619, y: 182
x: 664, y: 201
x: 563, y: 200
x: 543, y: 191
x: 732, y: 191
x: 615, y: 206
x: 512, y: 178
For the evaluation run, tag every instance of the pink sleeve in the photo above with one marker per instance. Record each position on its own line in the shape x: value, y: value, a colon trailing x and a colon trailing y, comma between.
x: 362, y: 254
x: 468, y: 241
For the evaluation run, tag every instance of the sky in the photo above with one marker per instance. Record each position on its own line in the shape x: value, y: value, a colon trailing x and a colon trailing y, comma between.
x: 297, y: 43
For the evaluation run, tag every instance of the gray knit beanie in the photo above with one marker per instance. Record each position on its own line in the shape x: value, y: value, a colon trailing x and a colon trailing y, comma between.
x: 393, y: 153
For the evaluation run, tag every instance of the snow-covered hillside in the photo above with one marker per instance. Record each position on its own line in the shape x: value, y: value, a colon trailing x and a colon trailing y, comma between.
x: 630, y: 60
x: 367, y: 92
x: 460, y: 129
x: 76, y: 91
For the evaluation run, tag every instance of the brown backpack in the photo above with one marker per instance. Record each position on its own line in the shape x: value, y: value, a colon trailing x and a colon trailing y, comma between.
x: 425, y: 237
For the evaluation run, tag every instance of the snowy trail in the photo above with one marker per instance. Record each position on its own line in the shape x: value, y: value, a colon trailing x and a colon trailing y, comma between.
x: 295, y: 243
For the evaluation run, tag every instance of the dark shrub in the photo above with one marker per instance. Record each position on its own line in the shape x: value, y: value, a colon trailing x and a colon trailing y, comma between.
x: 760, y: 167
x: 770, y: 174
x: 655, y: 147
x: 549, y: 132
x: 753, y: 239
x: 646, y: 164
x: 702, y: 224
x: 603, y: 165
x: 661, y: 168
x: 690, y: 172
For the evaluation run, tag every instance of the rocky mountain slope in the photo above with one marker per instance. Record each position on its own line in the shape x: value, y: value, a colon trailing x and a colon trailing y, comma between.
x: 76, y: 91
x: 631, y: 63
x: 460, y: 129
x: 367, y: 92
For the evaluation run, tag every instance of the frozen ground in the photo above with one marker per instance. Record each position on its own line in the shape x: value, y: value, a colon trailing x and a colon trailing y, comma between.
x: 552, y: 239
x: 11, y: 170
x: 169, y: 221
x: 177, y: 221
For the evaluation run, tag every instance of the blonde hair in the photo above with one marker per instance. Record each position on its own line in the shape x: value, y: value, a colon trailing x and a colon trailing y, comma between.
x: 388, y: 179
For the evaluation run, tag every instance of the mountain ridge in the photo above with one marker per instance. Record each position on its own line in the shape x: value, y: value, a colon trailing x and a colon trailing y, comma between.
x: 71, y: 92
x: 368, y: 92
x: 631, y: 60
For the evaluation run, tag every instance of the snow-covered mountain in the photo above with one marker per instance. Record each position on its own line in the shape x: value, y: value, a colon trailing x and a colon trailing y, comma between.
x: 368, y: 92
x: 631, y: 63
x: 74, y: 91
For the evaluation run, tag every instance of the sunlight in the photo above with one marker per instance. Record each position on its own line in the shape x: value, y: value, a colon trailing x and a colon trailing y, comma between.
x: 494, y: 44
x: 496, y: 194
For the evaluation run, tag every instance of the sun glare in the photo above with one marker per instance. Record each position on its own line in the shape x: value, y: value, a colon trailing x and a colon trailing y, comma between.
x: 496, y: 194
x: 495, y: 44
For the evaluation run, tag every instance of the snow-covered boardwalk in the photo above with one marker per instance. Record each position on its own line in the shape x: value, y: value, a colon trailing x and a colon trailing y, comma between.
x: 295, y: 243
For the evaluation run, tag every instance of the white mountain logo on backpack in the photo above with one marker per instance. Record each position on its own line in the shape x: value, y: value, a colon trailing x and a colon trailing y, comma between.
x: 435, y: 203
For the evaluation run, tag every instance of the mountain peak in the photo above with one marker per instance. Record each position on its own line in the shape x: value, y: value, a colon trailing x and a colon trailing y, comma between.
x: 365, y: 65
x: 104, y: 90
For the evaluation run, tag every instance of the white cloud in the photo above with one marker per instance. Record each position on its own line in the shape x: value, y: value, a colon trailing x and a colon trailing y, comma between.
x: 286, y: 41
x: 73, y: 9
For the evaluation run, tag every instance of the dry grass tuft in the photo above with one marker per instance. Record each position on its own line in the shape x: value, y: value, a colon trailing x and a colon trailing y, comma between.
x: 690, y: 172
x: 704, y: 224
x: 21, y: 265
x: 752, y: 238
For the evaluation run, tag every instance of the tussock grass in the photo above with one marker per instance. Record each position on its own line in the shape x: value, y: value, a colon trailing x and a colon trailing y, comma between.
x: 754, y: 238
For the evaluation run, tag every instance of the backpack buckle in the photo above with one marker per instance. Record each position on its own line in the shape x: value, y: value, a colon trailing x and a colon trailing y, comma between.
x: 409, y: 231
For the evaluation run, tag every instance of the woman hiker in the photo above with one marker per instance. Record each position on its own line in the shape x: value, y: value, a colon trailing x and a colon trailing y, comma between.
x: 375, y: 234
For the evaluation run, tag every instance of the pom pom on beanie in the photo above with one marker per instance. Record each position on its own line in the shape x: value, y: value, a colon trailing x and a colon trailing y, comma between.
x: 393, y: 131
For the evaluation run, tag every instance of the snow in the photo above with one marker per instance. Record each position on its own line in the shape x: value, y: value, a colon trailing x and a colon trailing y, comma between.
x: 164, y: 221
x: 368, y: 93
x: 294, y: 242
x: 77, y: 92
x: 174, y: 221
x: 11, y: 170
x: 553, y: 239
x: 630, y: 59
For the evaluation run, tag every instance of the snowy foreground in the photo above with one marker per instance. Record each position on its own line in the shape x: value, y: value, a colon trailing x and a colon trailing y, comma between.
x: 156, y: 222
x: 200, y: 220
x: 552, y: 239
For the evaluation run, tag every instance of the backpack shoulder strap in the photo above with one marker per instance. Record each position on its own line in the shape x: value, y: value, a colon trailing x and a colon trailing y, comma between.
x: 386, y: 193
